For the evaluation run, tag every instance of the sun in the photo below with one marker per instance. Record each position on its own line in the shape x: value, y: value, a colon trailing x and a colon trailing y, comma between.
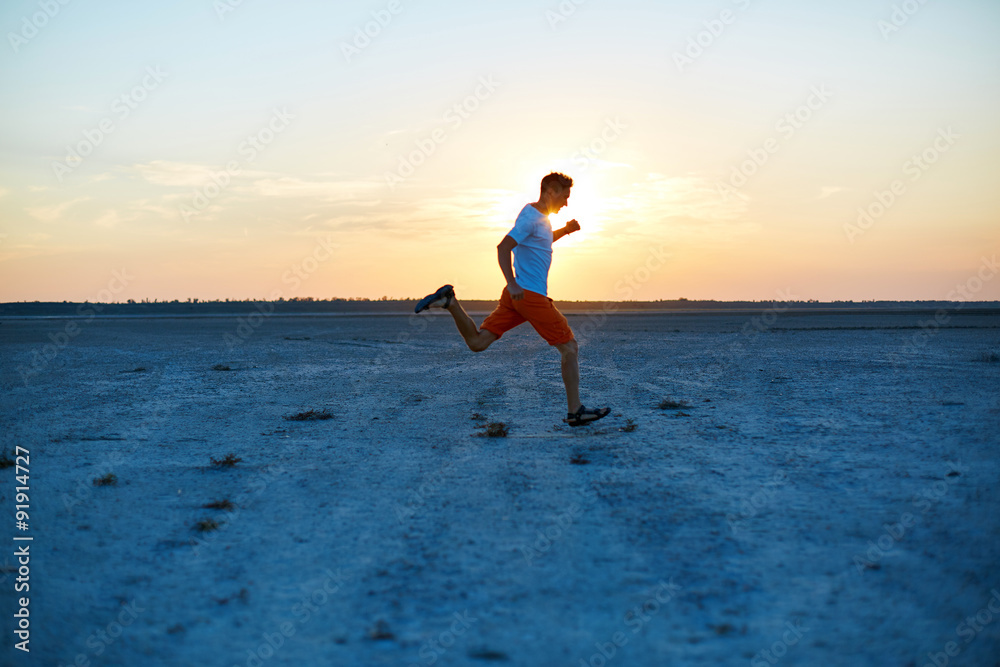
x: 585, y: 206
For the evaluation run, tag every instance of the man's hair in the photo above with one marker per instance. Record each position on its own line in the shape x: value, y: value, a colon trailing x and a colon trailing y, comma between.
x: 556, y: 181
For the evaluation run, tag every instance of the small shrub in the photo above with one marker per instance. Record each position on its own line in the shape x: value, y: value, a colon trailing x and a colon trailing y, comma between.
x: 489, y: 655
x: 667, y: 404
x: 629, y: 426
x: 723, y: 630
x: 108, y: 480
x: 228, y: 462
x: 221, y: 367
x: 206, y: 525
x: 380, y: 631
x: 311, y: 415
x: 243, y: 596
x: 496, y: 430
x: 6, y: 461
x: 990, y: 358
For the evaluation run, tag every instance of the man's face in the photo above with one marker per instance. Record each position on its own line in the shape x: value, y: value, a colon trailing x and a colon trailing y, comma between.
x: 560, y: 198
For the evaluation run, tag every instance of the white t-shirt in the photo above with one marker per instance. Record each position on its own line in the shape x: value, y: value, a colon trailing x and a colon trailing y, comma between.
x: 533, y: 253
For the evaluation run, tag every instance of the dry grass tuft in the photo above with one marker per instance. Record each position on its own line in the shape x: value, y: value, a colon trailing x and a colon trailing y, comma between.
x: 229, y: 461
x: 107, y: 480
x: 207, y: 525
x: 380, y: 631
x: 496, y: 430
x: 310, y: 415
x: 225, y: 505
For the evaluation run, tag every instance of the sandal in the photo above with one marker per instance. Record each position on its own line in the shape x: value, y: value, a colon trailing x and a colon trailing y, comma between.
x: 584, y: 416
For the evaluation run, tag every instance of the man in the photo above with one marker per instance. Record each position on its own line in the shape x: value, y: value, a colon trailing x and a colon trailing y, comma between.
x: 525, y: 298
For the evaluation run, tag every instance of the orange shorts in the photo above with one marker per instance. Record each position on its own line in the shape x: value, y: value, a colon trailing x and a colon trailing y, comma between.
x: 535, y: 309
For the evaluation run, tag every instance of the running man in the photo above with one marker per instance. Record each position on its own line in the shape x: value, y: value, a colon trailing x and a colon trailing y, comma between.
x: 525, y: 298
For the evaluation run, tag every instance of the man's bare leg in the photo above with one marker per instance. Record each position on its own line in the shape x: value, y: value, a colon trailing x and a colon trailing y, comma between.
x: 571, y: 373
x: 477, y: 340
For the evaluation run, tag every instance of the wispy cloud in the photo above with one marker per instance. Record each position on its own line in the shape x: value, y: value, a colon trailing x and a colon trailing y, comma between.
x: 661, y: 197
x: 323, y: 190
x: 158, y: 209
x: 173, y: 174
x: 55, y: 211
x: 829, y: 191
x: 109, y: 219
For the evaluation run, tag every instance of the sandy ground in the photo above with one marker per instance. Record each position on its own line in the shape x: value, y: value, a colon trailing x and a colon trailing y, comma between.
x: 827, y: 497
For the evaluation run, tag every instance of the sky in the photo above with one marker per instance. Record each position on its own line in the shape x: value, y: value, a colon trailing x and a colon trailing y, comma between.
x: 732, y: 149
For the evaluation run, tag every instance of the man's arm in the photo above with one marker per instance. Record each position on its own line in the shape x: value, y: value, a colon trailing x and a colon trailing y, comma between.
x: 504, y: 251
x: 571, y: 226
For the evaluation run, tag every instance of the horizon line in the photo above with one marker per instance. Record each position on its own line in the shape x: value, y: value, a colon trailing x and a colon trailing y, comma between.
x: 306, y: 300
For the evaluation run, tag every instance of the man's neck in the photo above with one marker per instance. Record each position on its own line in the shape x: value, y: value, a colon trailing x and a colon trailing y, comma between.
x: 541, y: 208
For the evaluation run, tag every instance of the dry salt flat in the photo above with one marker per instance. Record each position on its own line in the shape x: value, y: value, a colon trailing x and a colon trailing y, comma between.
x: 793, y: 489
